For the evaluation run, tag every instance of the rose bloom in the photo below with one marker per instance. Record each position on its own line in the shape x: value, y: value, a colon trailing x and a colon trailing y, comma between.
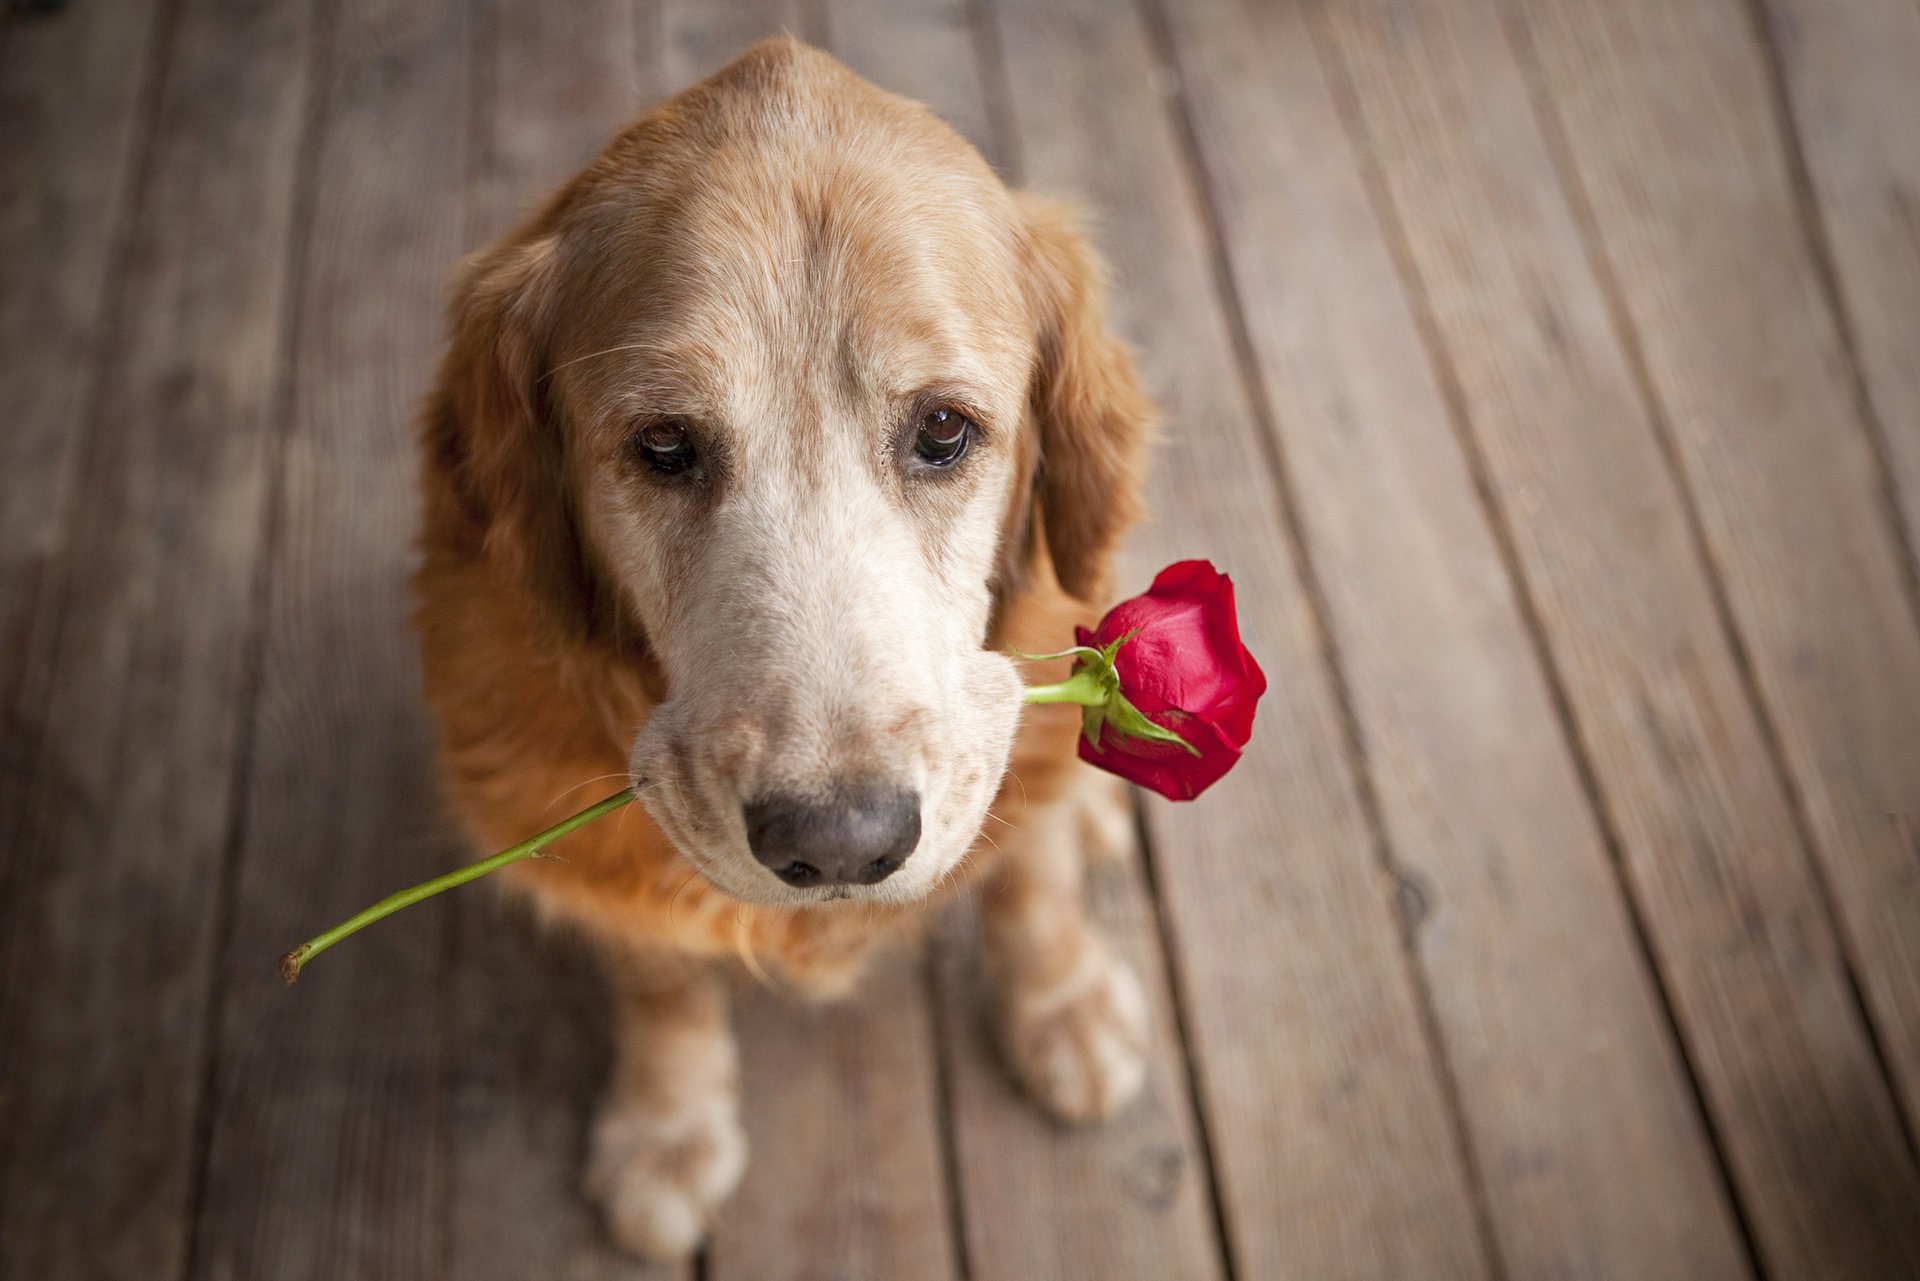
x: 1186, y: 670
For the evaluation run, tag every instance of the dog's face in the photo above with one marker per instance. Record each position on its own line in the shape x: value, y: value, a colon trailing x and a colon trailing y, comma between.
x: 777, y: 385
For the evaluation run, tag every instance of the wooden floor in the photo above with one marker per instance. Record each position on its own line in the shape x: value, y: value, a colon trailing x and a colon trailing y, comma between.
x: 1547, y: 373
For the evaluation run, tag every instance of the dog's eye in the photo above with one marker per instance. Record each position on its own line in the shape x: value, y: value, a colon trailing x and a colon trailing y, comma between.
x: 666, y: 446
x: 943, y: 437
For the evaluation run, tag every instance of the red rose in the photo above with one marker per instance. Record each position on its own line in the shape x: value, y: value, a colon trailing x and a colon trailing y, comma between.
x: 1173, y: 657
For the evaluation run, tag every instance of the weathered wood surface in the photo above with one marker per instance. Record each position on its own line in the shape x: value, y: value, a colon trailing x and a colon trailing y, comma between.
x: 328, y: 1108
x: 842, y: 1107
x: 1127, y: 1198
x: 1847, y: 71
x: 123, y: 761
x: 74, y: 90
x: 681, y: 41
x: 1327, y: 1112
x: 1598, y: 1163
x: 1673, y: 142
x: 1623, y: 595
x: 529, y: 1045
x: 1581, y: 333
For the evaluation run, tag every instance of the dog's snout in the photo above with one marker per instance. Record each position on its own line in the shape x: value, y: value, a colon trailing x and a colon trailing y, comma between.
x: 857, y: 838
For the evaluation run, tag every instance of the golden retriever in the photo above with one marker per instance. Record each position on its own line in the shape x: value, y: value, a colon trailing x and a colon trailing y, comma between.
x: 751, y: 456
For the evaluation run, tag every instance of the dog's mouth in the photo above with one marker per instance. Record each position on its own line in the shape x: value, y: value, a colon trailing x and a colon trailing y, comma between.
x: 727, y: 862
x: 867, y: 803
x: 713, y: 836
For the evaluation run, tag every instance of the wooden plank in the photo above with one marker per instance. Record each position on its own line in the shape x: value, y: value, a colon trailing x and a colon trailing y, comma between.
x: 72, y: 89
x: 1328, y: 1117
x: 1850, y: 72
x: 118, y: 803
x: 531, y: 1017
x: 1665, y: 115
x: 554, y: 84
x: 1593, y: 1154
x: 532, y: 1039
x: 1626, y: 601
x: 1125, y: 1198
x: 893, y: 45
x: 328, y: 1146
x: 682, y: 41
x: 841, y: 1104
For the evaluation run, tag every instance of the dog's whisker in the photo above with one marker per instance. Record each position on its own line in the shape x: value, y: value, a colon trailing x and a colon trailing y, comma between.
x: 952, y: 874
x: 673, y: 907
x: 743, y: 944
x: 598, y: 778
x: 594, y: 355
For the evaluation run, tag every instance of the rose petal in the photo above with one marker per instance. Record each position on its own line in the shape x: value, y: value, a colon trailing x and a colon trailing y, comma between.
x: 1163, y: 767
x: 1188, y: 654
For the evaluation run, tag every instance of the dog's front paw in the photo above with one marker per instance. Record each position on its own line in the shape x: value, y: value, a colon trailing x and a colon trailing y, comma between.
x: 658, y: 1178
x: 1104, y: 808
x: 1080, y: 1045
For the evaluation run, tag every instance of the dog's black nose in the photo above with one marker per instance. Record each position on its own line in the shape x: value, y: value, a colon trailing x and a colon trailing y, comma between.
x: 858, y: 838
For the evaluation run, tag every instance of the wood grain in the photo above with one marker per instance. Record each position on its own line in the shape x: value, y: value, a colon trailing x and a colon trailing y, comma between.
x: 682, y: 41
x: 1624, y: 596
x: 1673, y: 143
x: 1848, y: 71
x: 927, y: 50
x: 531, y: 1043
x: 119, y: 790
x: 1125, y: 1198
x: 552, y: 85
x: 73, y: 89
x: 841, y: 1104
x: 1582, y: 226
x: 328, y: 1149
x: 1594, y: 1157
x: 1328, y: 1117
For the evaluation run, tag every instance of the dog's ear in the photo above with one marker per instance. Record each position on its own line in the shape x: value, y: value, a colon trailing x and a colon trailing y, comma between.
x: 1094, y: 418
x: 493, y: 439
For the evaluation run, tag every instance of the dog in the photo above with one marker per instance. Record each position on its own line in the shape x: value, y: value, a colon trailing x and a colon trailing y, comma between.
x: 750, y: 458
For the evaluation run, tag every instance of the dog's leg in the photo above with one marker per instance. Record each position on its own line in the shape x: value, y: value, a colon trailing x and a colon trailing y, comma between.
x: 667, y: 1147
x: 1071, y: 1012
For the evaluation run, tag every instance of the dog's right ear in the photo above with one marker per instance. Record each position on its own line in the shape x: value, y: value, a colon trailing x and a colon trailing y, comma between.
x: 493, y: 436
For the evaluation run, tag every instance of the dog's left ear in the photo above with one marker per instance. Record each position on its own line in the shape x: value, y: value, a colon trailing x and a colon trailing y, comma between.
x: 491, y: 435
x: 1093, y: 417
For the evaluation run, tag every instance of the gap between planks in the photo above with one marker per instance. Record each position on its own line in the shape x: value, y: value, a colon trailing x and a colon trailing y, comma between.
x: 1394, y: 876
x: 226, y: 905
x: 1447, y: 377
x: 1554, y: 132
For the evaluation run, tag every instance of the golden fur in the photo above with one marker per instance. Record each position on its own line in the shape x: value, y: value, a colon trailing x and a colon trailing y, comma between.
x: 543, y: 661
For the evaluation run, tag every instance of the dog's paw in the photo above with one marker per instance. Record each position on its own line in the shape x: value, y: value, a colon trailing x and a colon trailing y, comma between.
x: 659, y: 1179
x: 1104, y: 808
x: 1080, y: 1046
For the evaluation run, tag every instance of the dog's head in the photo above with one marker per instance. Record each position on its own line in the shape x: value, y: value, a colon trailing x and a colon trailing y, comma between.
x: 787, y: 391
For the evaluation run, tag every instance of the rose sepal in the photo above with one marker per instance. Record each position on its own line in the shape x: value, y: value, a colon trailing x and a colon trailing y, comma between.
x: 1095, y: 685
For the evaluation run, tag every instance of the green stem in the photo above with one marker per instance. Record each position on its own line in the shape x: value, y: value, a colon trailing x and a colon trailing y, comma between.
x: 1083, y: 687
x: 292, y: 963
x: 1089, y: 686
